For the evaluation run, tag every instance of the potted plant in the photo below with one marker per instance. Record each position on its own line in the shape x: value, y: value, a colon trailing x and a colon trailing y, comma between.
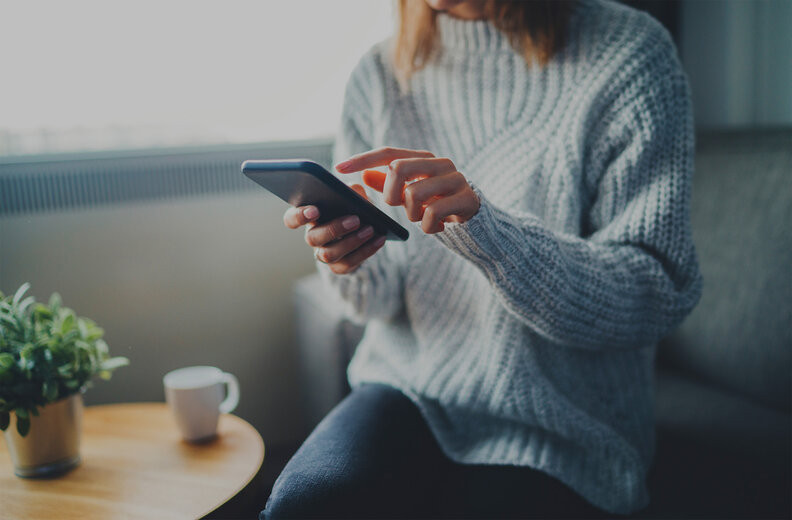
x: 48, y: 356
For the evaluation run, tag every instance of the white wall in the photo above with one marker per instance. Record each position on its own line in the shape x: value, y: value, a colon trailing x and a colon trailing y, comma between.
x: 202, y: 280
x: 738, y: 56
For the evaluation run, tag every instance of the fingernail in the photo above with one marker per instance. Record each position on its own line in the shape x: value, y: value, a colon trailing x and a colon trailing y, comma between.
x: 350, y: 222
x: 311, y: 212
x: 379, y: 241
x: 343, y: 165
x: 366, y: 232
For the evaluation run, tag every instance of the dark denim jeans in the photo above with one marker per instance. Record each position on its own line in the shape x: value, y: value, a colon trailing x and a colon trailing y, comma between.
x: 373, y: 456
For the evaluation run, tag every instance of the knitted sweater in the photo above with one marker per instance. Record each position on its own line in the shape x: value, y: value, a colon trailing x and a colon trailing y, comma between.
x: 526, y: 335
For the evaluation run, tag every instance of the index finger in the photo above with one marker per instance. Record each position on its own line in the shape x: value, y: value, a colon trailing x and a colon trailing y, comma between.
x: 379, y: 157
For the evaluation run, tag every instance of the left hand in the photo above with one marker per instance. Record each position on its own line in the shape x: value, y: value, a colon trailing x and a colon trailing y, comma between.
x: 439, y: 194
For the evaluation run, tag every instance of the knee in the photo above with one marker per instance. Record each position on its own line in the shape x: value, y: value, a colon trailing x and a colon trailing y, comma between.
x: 308, y: 494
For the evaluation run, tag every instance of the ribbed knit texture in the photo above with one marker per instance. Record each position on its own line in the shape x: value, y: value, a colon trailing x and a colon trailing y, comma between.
x: 527, y: 335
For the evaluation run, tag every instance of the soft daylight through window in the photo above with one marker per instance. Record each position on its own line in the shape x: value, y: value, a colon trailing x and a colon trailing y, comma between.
x: 94, y: 75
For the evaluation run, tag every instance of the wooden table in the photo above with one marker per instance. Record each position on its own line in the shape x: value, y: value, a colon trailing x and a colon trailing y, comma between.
x: 135, y: 465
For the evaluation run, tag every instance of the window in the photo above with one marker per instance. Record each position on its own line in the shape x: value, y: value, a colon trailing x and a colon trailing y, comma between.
x: 96, y: 75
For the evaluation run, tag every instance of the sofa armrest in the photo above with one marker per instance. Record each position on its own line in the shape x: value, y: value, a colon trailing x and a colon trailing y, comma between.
x: 325, y: 342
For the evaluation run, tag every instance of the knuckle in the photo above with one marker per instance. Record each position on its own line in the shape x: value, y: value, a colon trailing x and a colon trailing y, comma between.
x: 289, y: 219
x: 331, y: 256
x: 319, y: 237
x: 411, y: 194
x: 413, y: 206
x: 332, y: 231
x: 448, y: 163
x: 339, y: 231
x: 397, y: 167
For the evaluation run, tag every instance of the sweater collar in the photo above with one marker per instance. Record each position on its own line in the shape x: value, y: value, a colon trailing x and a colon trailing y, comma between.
x: 470, y: 35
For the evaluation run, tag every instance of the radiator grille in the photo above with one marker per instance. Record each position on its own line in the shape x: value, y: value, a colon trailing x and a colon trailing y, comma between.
x: 74, y: 181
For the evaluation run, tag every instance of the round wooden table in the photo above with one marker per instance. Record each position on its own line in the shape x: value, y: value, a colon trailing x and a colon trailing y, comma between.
x: 135, y: 465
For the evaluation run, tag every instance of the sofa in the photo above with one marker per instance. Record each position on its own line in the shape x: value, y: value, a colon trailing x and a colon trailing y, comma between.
x: 724, y: 428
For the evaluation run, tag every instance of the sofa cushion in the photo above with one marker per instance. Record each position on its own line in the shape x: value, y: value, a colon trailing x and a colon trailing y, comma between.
x: 740, y: 335
x: 727, y: 421
x: 719, y: 454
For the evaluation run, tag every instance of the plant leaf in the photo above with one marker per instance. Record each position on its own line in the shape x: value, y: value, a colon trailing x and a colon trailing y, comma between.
x: 82, y: 328
x: 11, y: 321
x: 50, y: 390
x: 94, y: 332
x: 55, y: 301
x: 20, y: 293
x: 68, y: 323
x: 46, y: 352
x: 24, y: 304
x: 6, y: 361
x: 42, y: 311
x: 5, y: 418
x: 113, y: 363
x: 23, y: 426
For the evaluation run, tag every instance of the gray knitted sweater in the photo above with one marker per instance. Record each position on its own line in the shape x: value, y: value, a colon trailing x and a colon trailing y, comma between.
x: 526, y: 336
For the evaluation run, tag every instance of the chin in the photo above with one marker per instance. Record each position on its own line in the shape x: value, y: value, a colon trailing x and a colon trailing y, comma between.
x: 443, y: 5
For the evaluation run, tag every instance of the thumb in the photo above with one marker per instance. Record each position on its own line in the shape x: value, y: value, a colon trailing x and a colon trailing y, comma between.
x: 374, y: 179
x: 360, y: 190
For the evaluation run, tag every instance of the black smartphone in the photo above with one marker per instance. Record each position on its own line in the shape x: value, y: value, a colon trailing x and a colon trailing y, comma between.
x: 301, y: 182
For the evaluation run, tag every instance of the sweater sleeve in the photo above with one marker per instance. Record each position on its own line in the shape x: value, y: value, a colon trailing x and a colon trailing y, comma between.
x: 374, y: 289
x: 634, y: 275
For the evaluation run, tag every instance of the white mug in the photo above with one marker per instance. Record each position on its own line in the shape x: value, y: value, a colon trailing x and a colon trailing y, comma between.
x: 195, y: 394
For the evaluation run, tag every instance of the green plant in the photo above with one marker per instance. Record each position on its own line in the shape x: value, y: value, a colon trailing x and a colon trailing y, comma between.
x: 47, y: 352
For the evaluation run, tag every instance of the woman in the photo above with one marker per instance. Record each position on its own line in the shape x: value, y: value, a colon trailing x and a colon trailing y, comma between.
x: 544, y: 152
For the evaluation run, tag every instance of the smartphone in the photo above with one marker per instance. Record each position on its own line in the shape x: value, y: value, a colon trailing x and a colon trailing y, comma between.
x: 301, y: 182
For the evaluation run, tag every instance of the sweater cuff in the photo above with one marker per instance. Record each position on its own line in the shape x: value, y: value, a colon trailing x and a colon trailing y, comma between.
x: 479, y: 239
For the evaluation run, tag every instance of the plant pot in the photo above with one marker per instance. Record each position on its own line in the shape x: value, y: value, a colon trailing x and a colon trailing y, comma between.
x: 52, y: 446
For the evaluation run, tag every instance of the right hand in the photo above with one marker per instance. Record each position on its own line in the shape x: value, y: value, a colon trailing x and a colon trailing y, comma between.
x: 338, y: 243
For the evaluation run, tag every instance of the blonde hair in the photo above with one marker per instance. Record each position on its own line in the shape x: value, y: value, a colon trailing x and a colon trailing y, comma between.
x: 536, y: 29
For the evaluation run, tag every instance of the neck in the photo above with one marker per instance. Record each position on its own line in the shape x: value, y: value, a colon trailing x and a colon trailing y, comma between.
x: 470, y: 10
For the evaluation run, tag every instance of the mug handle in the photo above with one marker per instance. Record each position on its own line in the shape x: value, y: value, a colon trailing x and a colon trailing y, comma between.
x: 232, y: 400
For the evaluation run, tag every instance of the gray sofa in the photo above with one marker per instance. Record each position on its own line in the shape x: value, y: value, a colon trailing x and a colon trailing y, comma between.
x: 724, y: 427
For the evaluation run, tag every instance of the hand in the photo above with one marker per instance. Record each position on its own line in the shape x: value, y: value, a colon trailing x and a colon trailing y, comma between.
x: 438, y: 194
x: 339, y: 243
